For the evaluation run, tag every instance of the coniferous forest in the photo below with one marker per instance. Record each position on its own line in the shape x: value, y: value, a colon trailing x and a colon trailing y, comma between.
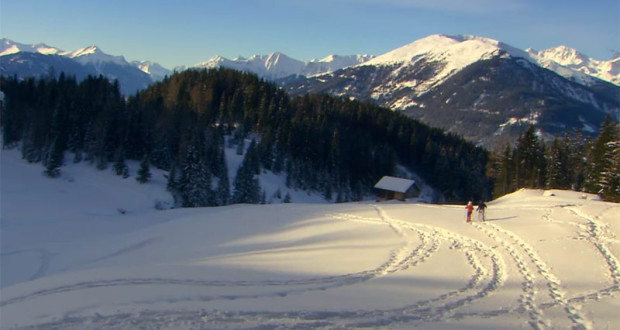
x: 330, y: 145
x: 571, y: 162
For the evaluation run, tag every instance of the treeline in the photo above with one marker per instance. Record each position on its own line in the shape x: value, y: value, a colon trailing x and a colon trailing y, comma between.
x: 570, y: 162
x: 183, y: 124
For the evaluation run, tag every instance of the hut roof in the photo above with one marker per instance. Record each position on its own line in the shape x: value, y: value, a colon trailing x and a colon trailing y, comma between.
x: 394, y: 184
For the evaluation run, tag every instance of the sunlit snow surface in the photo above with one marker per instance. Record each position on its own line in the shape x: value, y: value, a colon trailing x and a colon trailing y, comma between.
x: 89, y: 251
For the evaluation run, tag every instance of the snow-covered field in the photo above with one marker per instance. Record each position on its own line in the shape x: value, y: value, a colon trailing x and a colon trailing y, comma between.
x: 89, y: 251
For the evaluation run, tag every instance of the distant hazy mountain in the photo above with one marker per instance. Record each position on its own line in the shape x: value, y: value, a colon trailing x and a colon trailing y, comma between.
x: 39, y: 60
x: 277, y: 65
x: 477, y: 87
x: 580, y: 67
x: 156, y: 71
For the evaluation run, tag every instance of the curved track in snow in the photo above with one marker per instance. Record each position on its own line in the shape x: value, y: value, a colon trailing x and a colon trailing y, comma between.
x: 490, y: 260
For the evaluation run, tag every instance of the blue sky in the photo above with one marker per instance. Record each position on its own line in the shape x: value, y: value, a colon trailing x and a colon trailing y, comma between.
x: 183, y: 32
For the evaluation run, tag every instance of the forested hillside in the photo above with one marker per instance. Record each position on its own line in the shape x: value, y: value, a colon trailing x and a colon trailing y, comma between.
x: 571, y: 162
x: 332, y: 145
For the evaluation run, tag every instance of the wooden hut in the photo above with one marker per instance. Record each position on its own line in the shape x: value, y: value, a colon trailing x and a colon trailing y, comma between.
x: 400, y: 189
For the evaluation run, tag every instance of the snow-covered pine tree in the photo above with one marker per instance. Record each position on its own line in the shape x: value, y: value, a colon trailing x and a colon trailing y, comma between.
x: 597, y: 162
x: 609, y: 182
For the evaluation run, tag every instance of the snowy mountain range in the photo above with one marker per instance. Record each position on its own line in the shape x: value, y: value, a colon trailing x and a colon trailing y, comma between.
x: 570, y: 63
x: 88, y: 55
x: 462, y: 82
x: 17, y: 59
x: 565, y: 61
x: 40, y: 59
x: 277, y: 65
x: 451, y: 82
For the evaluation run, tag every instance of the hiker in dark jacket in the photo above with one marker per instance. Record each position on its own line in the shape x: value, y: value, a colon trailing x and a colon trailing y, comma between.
x: 480, y: 209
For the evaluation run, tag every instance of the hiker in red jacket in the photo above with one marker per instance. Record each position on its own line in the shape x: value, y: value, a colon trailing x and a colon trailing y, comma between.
x: 469, y: 207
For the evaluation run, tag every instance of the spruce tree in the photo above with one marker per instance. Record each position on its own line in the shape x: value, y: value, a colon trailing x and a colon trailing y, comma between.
x: 222, y: 190
x: 576, y: 150
x: 609, y: 179
x: 504, y: 174
x: 54, y: 161
x: 144, y: 173
x: 600, y: 153
x: 609, y: 182
x: 194, y: 183
x: 529, y: 157
x: 173, y: 185
x: 246, y: 185
x: 558, y: 173
x: 120, y: 167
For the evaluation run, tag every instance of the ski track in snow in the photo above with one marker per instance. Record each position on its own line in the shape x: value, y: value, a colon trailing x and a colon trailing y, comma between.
x: 44, y: 262
x: 407, y: 255
x: 511, y: 243
x: 598, y: 236
x: 419, y: 243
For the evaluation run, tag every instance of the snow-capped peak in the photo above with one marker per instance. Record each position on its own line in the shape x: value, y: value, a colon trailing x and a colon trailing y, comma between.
x: 94, y: 55
x: 574, y: 65
x: 562, y: 55
x: 87, y: 55
x: 457, y: 52
x: 156, y: 71
x: 83, y: 52
x: 460, y: 50
x: 8, y: 47
x: 453, y: 53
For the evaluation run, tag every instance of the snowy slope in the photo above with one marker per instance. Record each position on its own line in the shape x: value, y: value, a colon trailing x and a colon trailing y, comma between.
x: 277, y: 65
x: 542, y: 260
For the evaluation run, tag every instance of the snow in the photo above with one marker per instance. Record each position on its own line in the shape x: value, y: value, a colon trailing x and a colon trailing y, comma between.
x: 13, y: 49
x: 71, y: 260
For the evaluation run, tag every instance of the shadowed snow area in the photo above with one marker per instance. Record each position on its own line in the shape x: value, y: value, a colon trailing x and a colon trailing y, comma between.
x: 71, y: 260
